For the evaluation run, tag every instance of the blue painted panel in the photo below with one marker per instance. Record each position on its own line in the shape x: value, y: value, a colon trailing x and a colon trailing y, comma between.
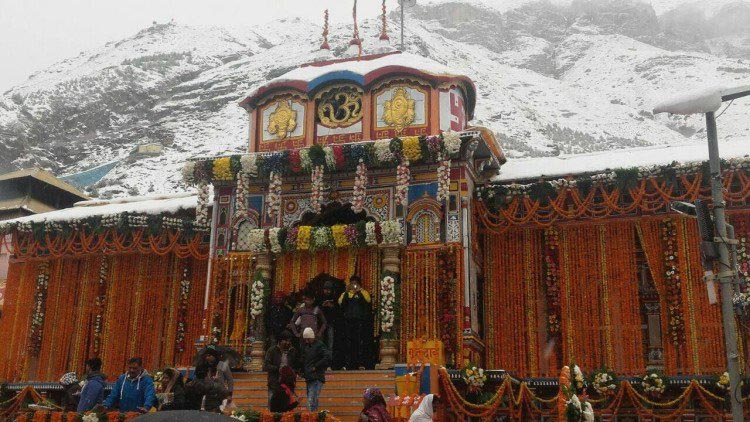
x: 255, y: 202
x: 338, y: 75
x: 418, y: 191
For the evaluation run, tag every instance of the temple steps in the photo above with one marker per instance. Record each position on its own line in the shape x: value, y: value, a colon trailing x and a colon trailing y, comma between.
x: 341, y: 395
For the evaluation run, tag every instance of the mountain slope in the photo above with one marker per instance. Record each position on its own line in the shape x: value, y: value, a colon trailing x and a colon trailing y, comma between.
x: 552, y: 78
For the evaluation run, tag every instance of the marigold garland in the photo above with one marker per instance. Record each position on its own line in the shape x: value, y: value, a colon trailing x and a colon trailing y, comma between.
x: 673, y: 282
x: 551, y: 280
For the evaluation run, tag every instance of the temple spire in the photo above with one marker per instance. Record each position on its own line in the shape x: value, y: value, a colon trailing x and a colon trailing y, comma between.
x: 355, y: 44
x: 324, y: 45
x: 383, y: 44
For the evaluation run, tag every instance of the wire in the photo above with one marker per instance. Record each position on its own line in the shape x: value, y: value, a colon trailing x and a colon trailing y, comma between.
x: 725, y: 109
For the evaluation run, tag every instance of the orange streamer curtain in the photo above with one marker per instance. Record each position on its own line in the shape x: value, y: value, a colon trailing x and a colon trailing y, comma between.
x: 420, y: 295
x: 142, y: 293
x: 294, y: 270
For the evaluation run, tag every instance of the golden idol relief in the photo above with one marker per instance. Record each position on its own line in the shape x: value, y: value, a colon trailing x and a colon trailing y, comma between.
x: 340, y: 108
x: 399, y: 111
x: 282, y: 121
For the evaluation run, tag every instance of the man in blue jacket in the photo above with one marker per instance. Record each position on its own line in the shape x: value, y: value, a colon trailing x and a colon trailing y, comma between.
x: 93, y: 391
x: 134, y: 390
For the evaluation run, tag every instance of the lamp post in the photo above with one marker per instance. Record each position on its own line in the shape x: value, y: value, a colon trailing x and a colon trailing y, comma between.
x: 708, y: 102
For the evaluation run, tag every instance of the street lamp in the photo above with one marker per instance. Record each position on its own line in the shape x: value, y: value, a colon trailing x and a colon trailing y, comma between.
x: 707, y: 102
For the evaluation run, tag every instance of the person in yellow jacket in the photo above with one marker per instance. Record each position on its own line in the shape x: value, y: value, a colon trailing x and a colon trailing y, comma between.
x: 356, y: 307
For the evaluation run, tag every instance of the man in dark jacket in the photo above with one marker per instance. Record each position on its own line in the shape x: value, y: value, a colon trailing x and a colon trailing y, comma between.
x: 278, y: 356
x: 315, y: 359
x: 278, y: 316
x: 334, y: 334
x: 93, y: 391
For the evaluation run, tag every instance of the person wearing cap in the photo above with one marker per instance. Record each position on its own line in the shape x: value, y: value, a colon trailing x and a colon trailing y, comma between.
x: 332, y: 311
x: 219, y: 369
x: 315, y: 359
x: 71, y: 390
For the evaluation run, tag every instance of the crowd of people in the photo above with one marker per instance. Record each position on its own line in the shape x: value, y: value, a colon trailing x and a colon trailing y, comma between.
x: 136, y: 390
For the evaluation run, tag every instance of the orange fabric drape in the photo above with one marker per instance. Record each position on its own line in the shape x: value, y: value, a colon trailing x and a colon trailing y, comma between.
x: 138, y: 316
x: 295, y: 269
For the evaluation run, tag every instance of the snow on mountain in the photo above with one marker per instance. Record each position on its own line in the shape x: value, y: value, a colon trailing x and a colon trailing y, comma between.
x: 551, y: 78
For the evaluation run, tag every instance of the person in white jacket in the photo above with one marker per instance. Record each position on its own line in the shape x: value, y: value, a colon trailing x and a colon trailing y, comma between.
x: 425, y: 411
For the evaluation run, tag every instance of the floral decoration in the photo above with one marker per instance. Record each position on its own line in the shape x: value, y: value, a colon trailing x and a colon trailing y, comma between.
x: 672, y: 278
x: 188, y: 172
x: 474, y: 377
x: 222, y: 169
x: 316, y: 194
x: 653, y: 385
x: 444, y: 179
x: 274, y: 195
x: 201, y: 208
x: 403, y: 176
x: 551, y: 280
x: 249, y: 163
x: 182, y: 311
x: 37, y: 316
x: 241, y: 197
x: 302, y: 238
x: 448, y: 303
x: 257, y: 296
x: 360, y: 186
x: 604, y: 382
x: 411, y: 148
x: 578, y: 380
x: 387, y: 302
x: 100, y: 305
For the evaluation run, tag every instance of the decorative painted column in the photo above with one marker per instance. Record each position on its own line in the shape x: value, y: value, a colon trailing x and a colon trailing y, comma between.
x: 389, y: 344
x: 264, y: 265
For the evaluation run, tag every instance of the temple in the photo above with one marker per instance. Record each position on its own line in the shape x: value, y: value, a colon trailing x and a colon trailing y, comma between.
x: 370, y: 166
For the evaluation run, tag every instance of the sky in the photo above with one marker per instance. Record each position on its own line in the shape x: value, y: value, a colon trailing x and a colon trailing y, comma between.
x: 35, y: 34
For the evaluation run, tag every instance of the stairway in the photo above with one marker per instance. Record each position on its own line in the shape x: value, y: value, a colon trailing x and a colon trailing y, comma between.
x: 341, y: 394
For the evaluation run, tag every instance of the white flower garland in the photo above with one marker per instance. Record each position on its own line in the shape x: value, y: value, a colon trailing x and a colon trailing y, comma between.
x: 241, y: 197
x: 256, y: 299
x: 90, y: 417
x: 387, y: 302
x: 360, y: 185
x: 249, y: 163
x: 305, y: 160
x: 452, y: 143
x: 391, y: 231
x: 604, y: 383
x: 316, y: 196
x: 201, y: 209
x: 403, y: 175
x: 330, y: 158
x: 475, y: 377
x: 188, y: 172
x: 183, y: 308
x: 653, y: 384
x: 371, y: 238
x: 383, y: 150
x: 274, y: 195
x: 257, y: 240
x: 273, y: 237
x: 444, y: 179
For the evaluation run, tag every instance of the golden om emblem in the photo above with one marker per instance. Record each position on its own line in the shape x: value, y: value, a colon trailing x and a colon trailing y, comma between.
x: 282, y: 121
x: 340, y: 108
x: 399, y: 111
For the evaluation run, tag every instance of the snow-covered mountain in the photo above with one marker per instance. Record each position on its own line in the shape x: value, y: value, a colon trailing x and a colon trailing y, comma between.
x: 554, y: 77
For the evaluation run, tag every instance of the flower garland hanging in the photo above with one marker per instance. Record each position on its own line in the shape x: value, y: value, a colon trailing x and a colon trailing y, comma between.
x: 387, y: 303
x: 653, y: 385
x: 216, y: 327
x: 403, y: 176
x: 302, y: 238
x: 412, y: 151
x: 316, y: 194
x: 360, y: 185
x: 201, y: 208
x: 182, y: 312
x: 249, y: 163
x: 241, y: 197
x: 604, y: 382
x: 578, y: 381
x: 551, y: 280
x: 257, y: 296
x: 100, y: 304
x: 451, y: 143
x: 274, y: 195
x: 371, y: 235
x: 444, y: 179
x: 391, y: 232
x: 273, y: 239
x: 448, y: 304
x: 222, y: 169
x: 673, y: 282
x: 37, y: 316
x: 474, y: 377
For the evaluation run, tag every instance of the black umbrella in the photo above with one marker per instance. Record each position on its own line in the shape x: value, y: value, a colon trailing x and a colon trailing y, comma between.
x: 183, y: 415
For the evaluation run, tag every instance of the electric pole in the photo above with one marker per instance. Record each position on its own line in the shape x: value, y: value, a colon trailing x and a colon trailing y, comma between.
x: 726, y: 271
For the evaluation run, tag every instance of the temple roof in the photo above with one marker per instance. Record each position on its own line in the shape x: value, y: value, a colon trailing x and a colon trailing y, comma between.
x: 517, y: 169
x: 363, y: 71
x: 151, y: 205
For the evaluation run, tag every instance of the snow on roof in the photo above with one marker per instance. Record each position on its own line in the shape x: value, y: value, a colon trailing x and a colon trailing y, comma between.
x: 566, y: 165
x: 152, y: 205
x: 361, y: 70
x: 704, y: 100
